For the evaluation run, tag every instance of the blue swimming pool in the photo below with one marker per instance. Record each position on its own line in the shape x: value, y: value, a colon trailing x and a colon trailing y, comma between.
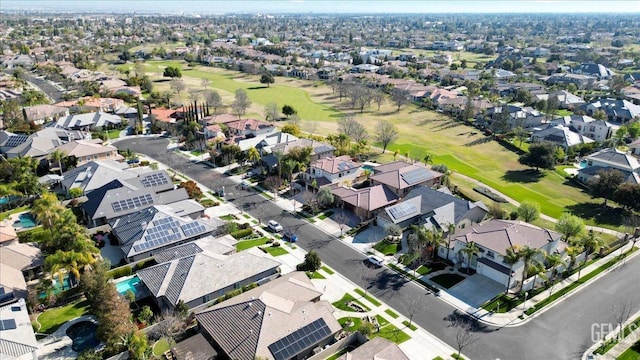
x: 83, y: 335
x: 583, y: 164
x: 25, y: 221
x: 132, y: 284
x: 58, y: 287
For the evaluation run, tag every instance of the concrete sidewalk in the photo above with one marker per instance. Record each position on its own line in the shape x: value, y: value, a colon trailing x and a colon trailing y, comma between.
x: 620, y: 347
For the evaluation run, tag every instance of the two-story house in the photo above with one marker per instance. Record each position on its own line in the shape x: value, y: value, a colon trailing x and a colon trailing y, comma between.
x: 598, y: 130
x: 402, y: 177
x: 332, y: 170
x: 620, y: 111
x: 611, y: 158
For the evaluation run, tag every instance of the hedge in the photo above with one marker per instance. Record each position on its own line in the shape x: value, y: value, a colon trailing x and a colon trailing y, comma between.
x: 242, y: 233
x: 120, y: 272
x: 490, y: 194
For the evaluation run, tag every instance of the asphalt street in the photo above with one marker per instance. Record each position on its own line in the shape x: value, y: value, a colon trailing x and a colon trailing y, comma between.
x: 562, y: 332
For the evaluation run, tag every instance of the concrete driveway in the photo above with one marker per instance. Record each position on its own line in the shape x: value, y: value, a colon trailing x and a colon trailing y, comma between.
x: 476, y: 290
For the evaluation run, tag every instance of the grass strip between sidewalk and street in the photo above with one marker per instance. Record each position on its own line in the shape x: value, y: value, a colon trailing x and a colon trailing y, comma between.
x: 392, y: 313
x: 609, y: 344
x: 368, y: 297
x: 409, y: 325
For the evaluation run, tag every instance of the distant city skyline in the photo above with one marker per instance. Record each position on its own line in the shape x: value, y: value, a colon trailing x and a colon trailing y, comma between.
x: 321, y: 6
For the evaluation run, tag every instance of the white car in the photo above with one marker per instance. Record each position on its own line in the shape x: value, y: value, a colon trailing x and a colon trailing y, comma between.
x: 274, y: 226
x: 375, y: 260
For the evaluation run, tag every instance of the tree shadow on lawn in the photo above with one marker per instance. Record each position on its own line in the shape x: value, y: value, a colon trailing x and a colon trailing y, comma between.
x: 257, y: 87
x: 523, y: 176
x: 161, y: 80
x: 478, y: 141
x: 599, y: 213
x: 447, y: 125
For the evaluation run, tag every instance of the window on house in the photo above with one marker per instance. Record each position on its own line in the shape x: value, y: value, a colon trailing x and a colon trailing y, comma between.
x: 491, y: 255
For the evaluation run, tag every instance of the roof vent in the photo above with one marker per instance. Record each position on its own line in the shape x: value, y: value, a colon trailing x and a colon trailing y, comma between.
x: 249, y: 304
x: 259, y: 313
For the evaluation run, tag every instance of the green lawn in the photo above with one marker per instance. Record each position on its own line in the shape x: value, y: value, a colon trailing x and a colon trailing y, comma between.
x: 327, y: 270
x: 275, y: 250
x: 356, y: 323
x: 447, y: 280
x: 423, y: 270
x: 5, y: 214
x: 114, y: 134
x: 160, y: 347
x: 315, y: 275
x: 342, y: 303
x: 227, y: 217
x: 632, y: 353
x: 391, y: 333
x: 410, y: 325
x: 392, y: 313
x: 52, y: 319
x: 386, y: 248
x: 381, y: 320
x: 368, y: 297
x: 246, y: 244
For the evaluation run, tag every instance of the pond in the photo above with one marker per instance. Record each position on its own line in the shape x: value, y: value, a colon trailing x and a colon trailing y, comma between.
x: 83, y: 335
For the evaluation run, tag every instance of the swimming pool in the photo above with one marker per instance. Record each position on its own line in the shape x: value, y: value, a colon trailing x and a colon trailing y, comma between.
x: 25, y: 221
x: 583, y: 164
x: 132, y: 284
x: 58, y: 287
x: 83, y: 335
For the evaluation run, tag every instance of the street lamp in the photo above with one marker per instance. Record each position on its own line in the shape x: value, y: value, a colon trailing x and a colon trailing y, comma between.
x: 524, y: 304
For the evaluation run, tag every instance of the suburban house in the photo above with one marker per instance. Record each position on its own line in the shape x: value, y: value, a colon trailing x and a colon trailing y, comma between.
x: 608, y: 159
x: 40, y: 114
x: 40, y: 144
x: 619, y: 111
x: 377, y: 348
x: 365, y: 202
x: 434, y: 209
x: 559, y: 135
x: 332, y: 170
x: 95, y: 174
x: 88, y: 121
x: 146, y: 232
x: 101, y: 104
x: 195, y: 347
x: 493, y: 238
x: 282, y: 319
x: 204, y: 270
x: 579, y: 80
x: 89, y: 150
x: 401, y: 177
x: 634, y: 147
x: 214, y: 131
x: 319, y: 149
x: 249, y: 127
x: 563, y: 98
x: 598, y: 130
x: 19, y: 263
x: 519, y: 116
x: 598, y: 71
x: 17, y: 339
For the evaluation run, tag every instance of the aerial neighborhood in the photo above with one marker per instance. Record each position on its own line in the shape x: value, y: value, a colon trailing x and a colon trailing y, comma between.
x: 251, y: 185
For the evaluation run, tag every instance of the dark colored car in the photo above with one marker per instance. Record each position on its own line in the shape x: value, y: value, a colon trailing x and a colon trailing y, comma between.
x: 289, y: 236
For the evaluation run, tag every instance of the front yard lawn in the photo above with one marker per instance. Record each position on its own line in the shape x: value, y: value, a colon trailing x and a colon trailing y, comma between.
x: 275, y: 250
x: 52, y: 319
x: 392, y: 313
x: 327, y: 270
x: 356, y: 323
x: 342, y: 303
x: 632, y: 353
x: 368, y: 297
x: 447, y: 280
x: 246, y: 244
x: 392, y: 333
x: 386, y: 248
x: 423, y: 270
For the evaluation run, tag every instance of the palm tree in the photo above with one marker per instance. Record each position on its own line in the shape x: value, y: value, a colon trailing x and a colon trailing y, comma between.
x: 428, y: 159
x: 553, y: 261
x: 538, y: 270
x: 528, y: 256
x: 436, y: 239
x: 451, y: 229
x: 511, y: 258
x: 591, y: 243
x: 573, y: 251
x: 469, y: 250
x: 57, y: 156
x: 253, y: 156
x: 47, y: 210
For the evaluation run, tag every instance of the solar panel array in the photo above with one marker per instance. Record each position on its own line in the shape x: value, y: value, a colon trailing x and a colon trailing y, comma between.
x: 154, y: 179
x: 164, y: 231
x: 416, y: 176
x: 299, y: 340
x: 193, y: 228
x: 16, y: 140
x: 9, y: 324
x: 403, y: 209
x: 132, y: 203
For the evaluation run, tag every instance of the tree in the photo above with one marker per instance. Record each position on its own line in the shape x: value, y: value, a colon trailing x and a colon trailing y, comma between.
x: 253, y: 155
x: 463, y: 333
x: 386, y: 133
x: 591, y: 243
x: 469, y: 250
x: 569, y: 226
x: 172, y: 72
x: 573, y: 251
x: 352, y: 128
x: 325, y: 197
x: 241, y: 102
x: 291, y: 129
x: 193, y: 190
x: 288, y: 110
x: 267, y: 78
x: 605, y: 183
x: 528, y: 211
x: 400, y: 97
x: 271, y: 112
x: 57, y: 156
x: 539, y: 156
x: 428, y: 159
x: 311, y: 262
x: 273, y: 183
x: 528, y: 256
x: 378, y: 97
x: 214, y: 100
x: 511, y: 258
x: 553, y: 262
x: 628, y: 195
x: 47, y: 209
x: 177, y: 85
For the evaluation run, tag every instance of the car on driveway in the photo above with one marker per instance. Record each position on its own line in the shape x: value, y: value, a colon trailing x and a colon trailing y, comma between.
x: 375, y: 260
x: 274, y: 226
x: 289, y: 236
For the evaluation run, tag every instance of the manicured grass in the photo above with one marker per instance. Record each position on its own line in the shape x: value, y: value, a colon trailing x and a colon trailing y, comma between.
x: 447, y: 280
x: 564, y: 112
x: 338, y: 354
x: 410, y: 325
x: 160, y: 347
x: 392, y: 313
x: 342, y: 303
x: 608, y: 345
x: 356, y: 323
x: 368, y: 297
x: 114, y: 134
x: 382, y: 321
x: 315, y: 275
x: 325, y: 215
x: 632, y: 353
x: 386, y: 248
x: 227, y: 217
x: 246, y: 244
x: 246, y: 216
x: 327, y: 270
x: 423, y: 270
x: 4, y: 215
x: 196, y: 153
x: 52, y: 319
x: 391, y: 333
x: 275, y: 250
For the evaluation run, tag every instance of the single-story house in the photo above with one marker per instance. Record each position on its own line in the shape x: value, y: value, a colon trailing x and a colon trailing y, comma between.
x: 17, y: 339
x: 559, y: 135
x: 89, y: 150
x: 99, y: 120
x: 282, y: 319
x: 95, y: 174
x: 40, y: 114
x: 377, y: 348
x: 40, y: 144
x: 365, y: 202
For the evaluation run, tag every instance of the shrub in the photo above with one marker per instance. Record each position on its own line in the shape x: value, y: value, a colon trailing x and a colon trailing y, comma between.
x: 244, y: 226
x: 75, y: 192
x: 366, y: 328
x: 144, y: 264
x: 275, y: 244
x: 513, y: 215
x: 490, y: 194
x: 120, y: 272
x: 239, y: 234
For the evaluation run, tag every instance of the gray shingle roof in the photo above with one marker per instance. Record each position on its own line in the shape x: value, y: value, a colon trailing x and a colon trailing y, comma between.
x: 178, y: 279
x: 177, y: 252
x: 153, y: 277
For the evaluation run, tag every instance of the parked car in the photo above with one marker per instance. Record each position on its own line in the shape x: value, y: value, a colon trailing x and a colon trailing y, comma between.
x: 274, y: 226
x: 245, y: 185
x: 375, y: 260
x: 289, y: 236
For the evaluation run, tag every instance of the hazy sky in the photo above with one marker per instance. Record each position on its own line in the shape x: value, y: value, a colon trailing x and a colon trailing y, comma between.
x: 322, y: 6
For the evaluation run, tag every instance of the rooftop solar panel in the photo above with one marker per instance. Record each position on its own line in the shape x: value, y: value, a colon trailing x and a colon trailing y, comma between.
x: 416, y: 176
x: 8, y: 324
x: 154, y: 179
x: 299, y: 340
x: 402, y: 210
x: 132, y: 203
